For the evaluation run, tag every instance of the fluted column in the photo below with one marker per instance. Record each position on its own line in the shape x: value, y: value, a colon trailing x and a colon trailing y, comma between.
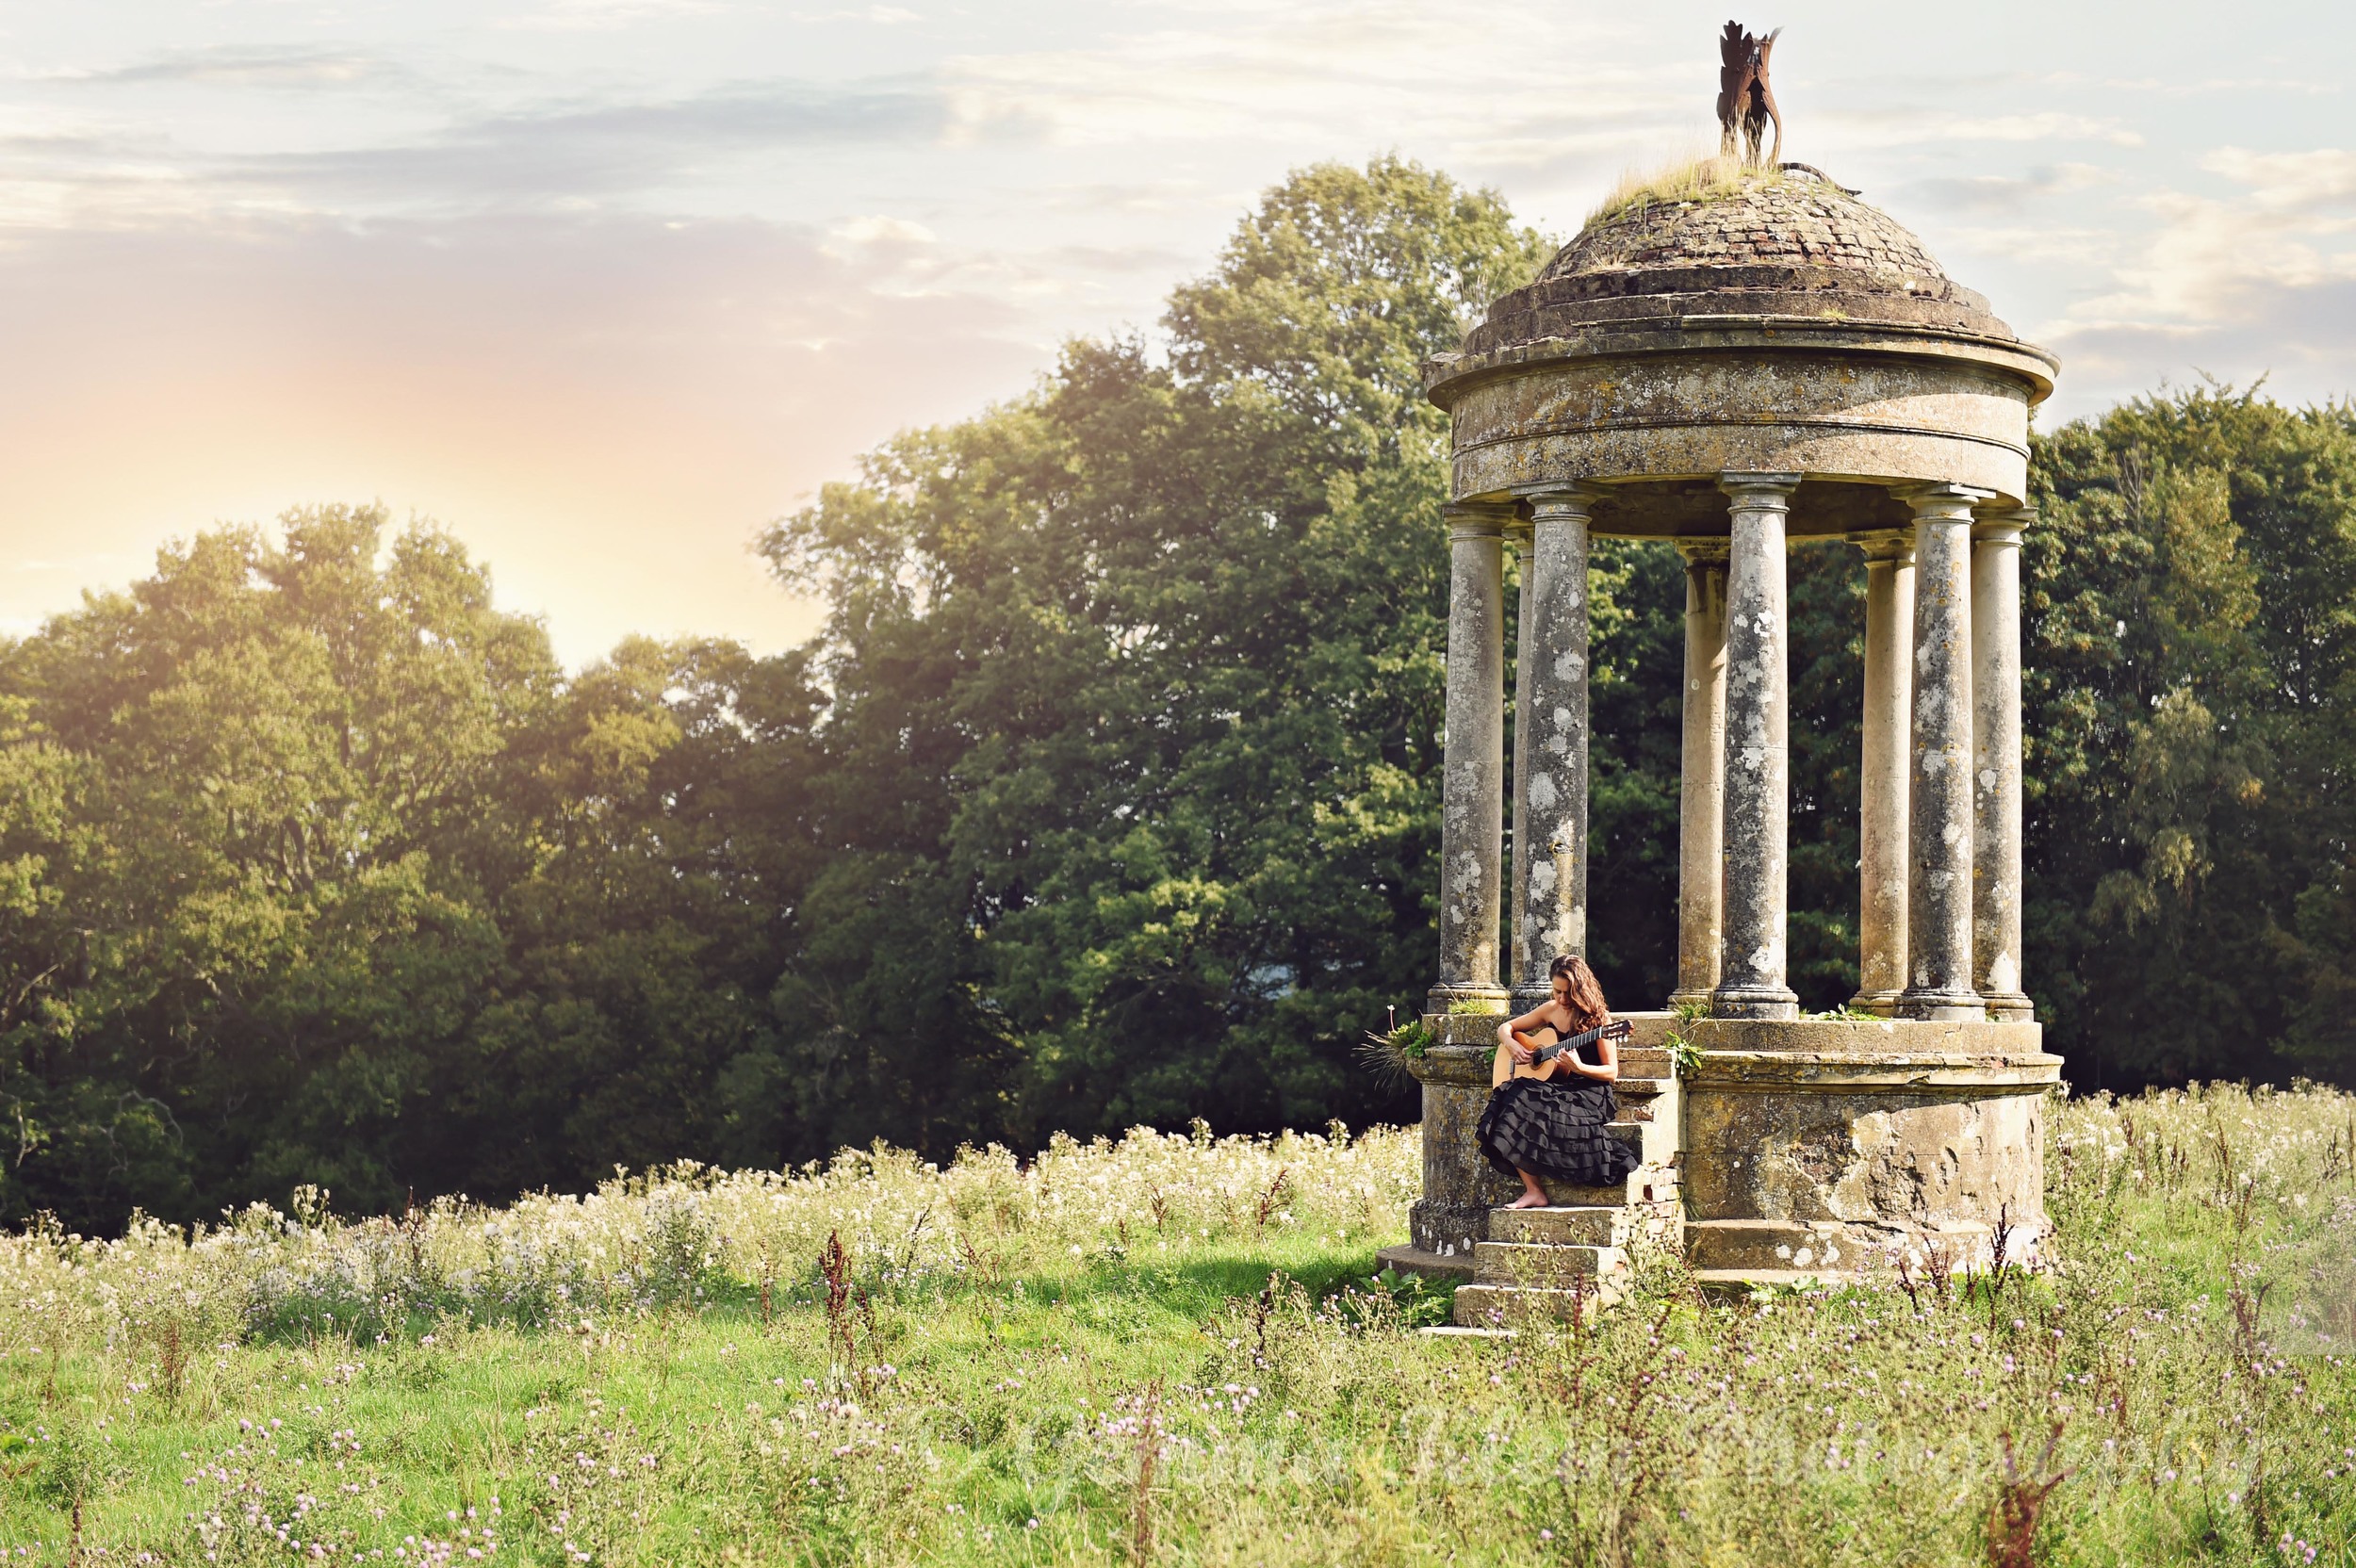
x: 1996, y: 763
x: 1882, y: 793
x: 1550, y: 782
x: 1757, y: 767
x: 1472, y: 789
x: 1939, y: 867
x: 1702, y: 787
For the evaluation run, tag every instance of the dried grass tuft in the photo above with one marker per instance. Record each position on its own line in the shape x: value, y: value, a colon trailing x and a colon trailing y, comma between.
x: 1711, y: 178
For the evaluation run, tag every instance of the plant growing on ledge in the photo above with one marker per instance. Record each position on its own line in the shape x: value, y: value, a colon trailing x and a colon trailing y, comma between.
x: 1391, y: 1057
x: 1472, y: 1007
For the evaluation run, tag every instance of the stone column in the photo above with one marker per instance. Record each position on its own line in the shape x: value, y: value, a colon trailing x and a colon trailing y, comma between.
x: 1702, y: 788
x: 1939, y: 869
x: 1518, y: 936
x: 1996, y: 763
x: 1472, y: 791
x: 1550, y: 783
x: 1882, y: 793
x: 1757, y: 767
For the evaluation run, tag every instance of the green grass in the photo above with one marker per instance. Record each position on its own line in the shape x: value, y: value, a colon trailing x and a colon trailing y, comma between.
x: 1171, y: 1349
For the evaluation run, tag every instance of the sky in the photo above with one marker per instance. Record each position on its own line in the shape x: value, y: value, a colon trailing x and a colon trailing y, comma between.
x: 605, y: 285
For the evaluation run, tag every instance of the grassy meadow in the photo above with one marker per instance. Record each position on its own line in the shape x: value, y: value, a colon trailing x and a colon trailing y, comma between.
x: 1171, y: 1349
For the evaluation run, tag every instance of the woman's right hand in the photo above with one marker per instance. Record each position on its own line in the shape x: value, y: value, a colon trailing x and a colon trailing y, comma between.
x: 1523, y: 1056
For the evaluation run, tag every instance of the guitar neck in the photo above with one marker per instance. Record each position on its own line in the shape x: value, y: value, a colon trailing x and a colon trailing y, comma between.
x: 1589, y: 1038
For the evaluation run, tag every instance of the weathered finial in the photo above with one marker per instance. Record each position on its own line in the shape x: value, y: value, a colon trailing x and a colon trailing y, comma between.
x: 1746, y: 102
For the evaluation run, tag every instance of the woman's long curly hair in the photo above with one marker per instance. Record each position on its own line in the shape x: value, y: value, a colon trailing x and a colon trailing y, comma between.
x: 1585, y: 1000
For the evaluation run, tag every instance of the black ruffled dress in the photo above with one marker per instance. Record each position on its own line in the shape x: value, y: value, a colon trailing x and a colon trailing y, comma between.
x: 1554, y: 1127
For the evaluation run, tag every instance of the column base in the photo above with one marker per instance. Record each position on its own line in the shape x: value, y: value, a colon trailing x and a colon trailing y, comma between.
x: 1880, y: 1004
x: 1684, y: 997
x: 1443, y: 997
x: 1530, y: 994
x: 1758, y: 1002
x: 1942, y: 1006
x: 2009, y: 1007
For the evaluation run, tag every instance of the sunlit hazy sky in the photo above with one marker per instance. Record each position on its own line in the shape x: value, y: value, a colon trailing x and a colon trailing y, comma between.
x: 605, y: 285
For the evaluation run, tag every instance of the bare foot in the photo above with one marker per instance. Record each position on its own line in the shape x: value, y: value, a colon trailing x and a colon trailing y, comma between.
x: 1529, y: 1201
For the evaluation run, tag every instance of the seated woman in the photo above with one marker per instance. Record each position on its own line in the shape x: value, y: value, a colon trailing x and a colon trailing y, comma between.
x: 1554, y: 1126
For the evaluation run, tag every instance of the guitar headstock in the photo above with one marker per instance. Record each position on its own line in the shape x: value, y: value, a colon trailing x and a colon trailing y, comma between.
x: 1618, y: 1029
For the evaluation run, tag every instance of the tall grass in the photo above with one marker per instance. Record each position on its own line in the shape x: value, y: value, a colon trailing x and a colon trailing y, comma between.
x: 1170, y: 1350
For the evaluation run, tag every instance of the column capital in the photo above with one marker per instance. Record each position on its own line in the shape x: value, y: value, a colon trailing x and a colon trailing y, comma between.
x: 1768, y: 490
x: 2002, y: 527
x: 1885, y: 544
x: 1477, y: 519
x: 1941, y: 501
x: 1703, y: 552
x: 1576, y: 499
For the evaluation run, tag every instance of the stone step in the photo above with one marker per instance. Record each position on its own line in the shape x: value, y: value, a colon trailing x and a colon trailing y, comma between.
x: 1652, y: 1184
x: 1640, y: 1099
x: 1407, y: 1258
x: 1604, y: 1226
x: 1735, y: 1285
x: 1772, y: 1246
x: 1644, y: 1063
x: 1504, y: 1306
x: 1513, y: 1263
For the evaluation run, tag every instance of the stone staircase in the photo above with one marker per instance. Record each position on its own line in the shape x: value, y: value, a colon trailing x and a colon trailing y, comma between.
x: 1542, y: 1264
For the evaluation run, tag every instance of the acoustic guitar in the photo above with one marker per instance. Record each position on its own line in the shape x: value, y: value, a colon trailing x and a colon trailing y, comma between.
x: 1550, y: 1048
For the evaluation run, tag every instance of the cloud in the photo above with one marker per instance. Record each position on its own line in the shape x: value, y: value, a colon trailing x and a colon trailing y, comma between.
x: 599, y: 16
x: 1307, y: 72
x: 74, y: 173
x: 606, y: 410
x: 2310, y: 181
x: 2260, y: 280
x: 1902, y: 125
x: 303, y: 69
x: 2009, y: 195
x: 883, y: 16
x: 604, y: 149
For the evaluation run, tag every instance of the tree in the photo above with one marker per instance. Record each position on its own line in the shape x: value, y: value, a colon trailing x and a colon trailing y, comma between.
x: 2187, y: 737
x: 1147, y: 668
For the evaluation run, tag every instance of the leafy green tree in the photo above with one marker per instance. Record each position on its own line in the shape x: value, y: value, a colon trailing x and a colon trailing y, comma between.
x: 253, y: 933
x: 2188, y: 737
x: 1141, y: 677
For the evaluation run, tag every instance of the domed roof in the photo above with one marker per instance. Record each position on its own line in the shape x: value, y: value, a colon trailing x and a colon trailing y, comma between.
x: 1789, y: 244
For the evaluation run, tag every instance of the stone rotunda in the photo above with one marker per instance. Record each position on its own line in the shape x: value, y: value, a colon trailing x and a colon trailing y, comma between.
x: 1761, y: 360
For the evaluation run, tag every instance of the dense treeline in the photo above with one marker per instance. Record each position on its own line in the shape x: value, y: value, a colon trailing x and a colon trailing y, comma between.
x: 1108, y: 793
